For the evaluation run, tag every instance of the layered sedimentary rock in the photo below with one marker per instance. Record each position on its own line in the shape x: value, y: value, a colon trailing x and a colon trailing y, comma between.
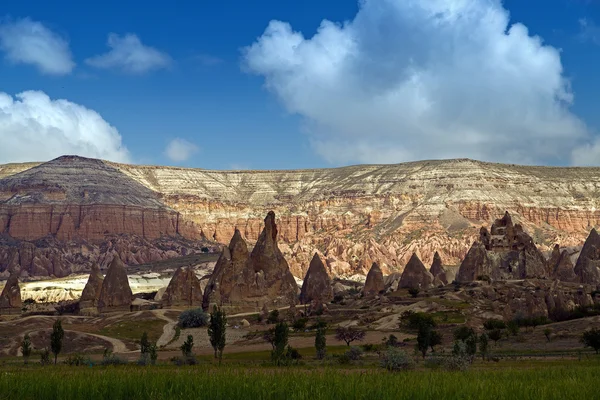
x: 91, y: 292
x: 11, y: 294
x: 317, y: 283
x: 374, y: 283
x: 59, y: 217
x: 261, y: 279
x: 415, y: 275
x: 115, y: 292
x: 184, y: 289
x: 376, y: 213
x: 505, y: 252
x: 587, y: 267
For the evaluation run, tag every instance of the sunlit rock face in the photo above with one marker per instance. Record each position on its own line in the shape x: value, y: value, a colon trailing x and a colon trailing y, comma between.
x: 353, y: 215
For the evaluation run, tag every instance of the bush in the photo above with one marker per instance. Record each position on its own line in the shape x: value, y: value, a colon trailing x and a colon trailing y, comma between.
x: 45, y: 357
x: 77, y: 360
x: 461, y: 357
x: 413, y: 320
x: 492, y: 324
x: 414, y: 292
x: 435, y: 362
x: 179, y: 361
x: 591, y: 339
x: 300, y: 324
x: 273, y: 317
x: 113, y: 360
x: 355, y: 353
x: 392, y: 341
x: 193, y: 318
x: 396, y: 360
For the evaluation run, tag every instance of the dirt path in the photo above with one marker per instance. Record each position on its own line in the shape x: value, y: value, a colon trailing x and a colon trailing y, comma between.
x: 168, y: 330
x: 118, y: 345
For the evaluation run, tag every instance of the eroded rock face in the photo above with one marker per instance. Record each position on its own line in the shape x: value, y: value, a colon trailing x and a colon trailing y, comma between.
x: 506, y: 252
x: 317, y: 284
x: 184, y: 289
x: 415, y: 275
x: 374, y: 283
x: 438, y: 271
x: 11, y: 294
x: 587, y: 267
x: 261, y: 279
x: 91, y: 292
x: 561, y: 265
x: 115, y: 292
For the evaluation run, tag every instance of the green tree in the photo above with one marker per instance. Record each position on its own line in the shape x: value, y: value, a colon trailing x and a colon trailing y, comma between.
x: 56, y: 339
x: 321, y: 343
x: 144, y: 344
x: 273, y: 317
x: 26, y: 348
x: 463, y: 333
x: 435, y: 339
x: 217, y: 331
x: 349, y: 334
x: 513, y: 327
x: 591, y: 339
x: 153, y: 353
x: 495, y: 335
x: 424, y: 339
x: 483, y: 345
x: 187, y: 346
x: 280, y: 342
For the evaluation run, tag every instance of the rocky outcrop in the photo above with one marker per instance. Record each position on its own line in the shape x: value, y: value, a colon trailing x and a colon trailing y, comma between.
x: 374, y: 283
x: 358, y: 215
x: 11, y: 294
x: 184, y: 289
x: 317, y: 284
x: 506, y: 252
x: 116, y: 292
x: 476, y: 264
x: 587, y: 267
x: 252, y: 282
x: 437, y: 270
x: 561, y: 265
x: 415, y: 275
x: 91, y: 292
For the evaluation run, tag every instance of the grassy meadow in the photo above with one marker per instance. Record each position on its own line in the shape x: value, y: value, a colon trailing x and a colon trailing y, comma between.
x: 545, y: 380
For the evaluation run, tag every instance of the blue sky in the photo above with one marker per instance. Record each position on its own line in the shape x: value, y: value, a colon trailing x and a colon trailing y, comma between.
x: 389, y: 86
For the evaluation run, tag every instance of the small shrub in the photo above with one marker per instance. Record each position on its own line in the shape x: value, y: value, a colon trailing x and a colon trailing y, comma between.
x: 435, y: 362
x: 180, y: 361
x: 45, y: 357
x: 414, y: 292
x: 113, y: 360
x: 591, y: 339
x: 395, y: 359
x: 343, y: 359
x: 547, y: 333
x: 355, y: 353
x: 187, y: 346
x: 77, y: 360
x: 413, y: 320
x: 492, y: 324
x: 392, y: 341
x: 273, y: 317
x: 300, y: 324
x: 193, y: 319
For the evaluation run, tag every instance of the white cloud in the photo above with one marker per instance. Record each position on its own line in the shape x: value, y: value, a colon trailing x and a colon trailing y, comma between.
x: 29, y: 42
x: 179, y: 150
x: 34, y: 127
x: 422, y: 79
x: 129, y: 54
x: 588, y: 30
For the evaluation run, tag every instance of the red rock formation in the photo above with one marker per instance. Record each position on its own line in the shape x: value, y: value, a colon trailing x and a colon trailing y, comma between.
x: 262, y: 279
x: 587, y: 267
x: 11, y: 294
x: 184, y: 289
x: 91, y: 292
x: 317, y: 284
x: 374, y: 283
x: 415, y: 275
x: 476, y: 264
x: 116, y: 293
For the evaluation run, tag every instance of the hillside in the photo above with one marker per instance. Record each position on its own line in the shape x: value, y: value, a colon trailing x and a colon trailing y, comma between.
x: 360, y: 214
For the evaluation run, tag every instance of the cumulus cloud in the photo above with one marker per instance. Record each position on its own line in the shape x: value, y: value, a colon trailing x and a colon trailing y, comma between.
x: 179, y: 150
x: 29, y: 42
x: 421, y: 79
x: 34, y: 127
x: 589, y: 31
x: 130, y: 55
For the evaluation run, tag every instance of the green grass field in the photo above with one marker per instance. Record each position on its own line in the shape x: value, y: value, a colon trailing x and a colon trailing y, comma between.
x: 571, y: 380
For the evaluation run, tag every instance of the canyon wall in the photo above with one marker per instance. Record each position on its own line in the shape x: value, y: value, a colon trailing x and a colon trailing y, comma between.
x: 354, y: 215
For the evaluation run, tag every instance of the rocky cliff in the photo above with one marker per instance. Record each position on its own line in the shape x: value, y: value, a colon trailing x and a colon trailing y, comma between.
x: 370, y: 213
